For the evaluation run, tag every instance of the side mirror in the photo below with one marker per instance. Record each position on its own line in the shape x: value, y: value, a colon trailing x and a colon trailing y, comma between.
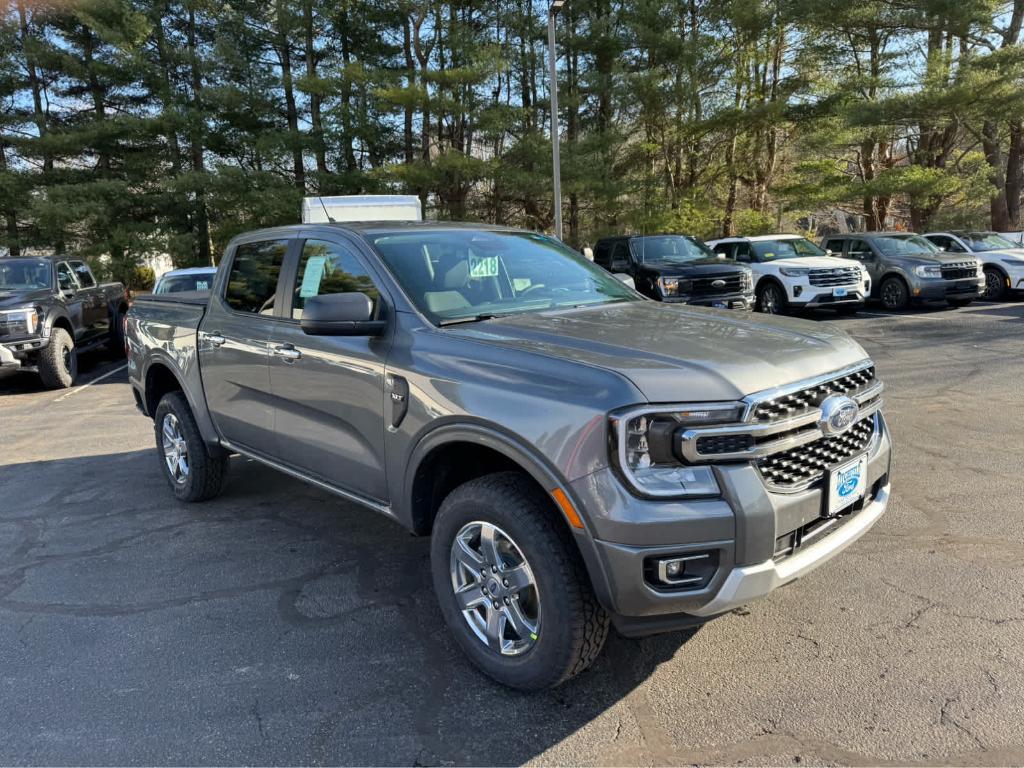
x: 588, y: 252
x: 341, y: 314
x: 829, y: 252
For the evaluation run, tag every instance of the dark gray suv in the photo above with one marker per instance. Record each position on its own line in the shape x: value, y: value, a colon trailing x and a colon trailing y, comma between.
x: 906, y: 268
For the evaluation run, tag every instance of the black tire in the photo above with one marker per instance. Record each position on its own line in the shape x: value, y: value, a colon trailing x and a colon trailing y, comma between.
x: 58, y: 361
x: 995, y: 285
x: 771, y: 298
x: 959, y: 302
x: 894, y: 294
x: 572, y: 625
x: 115, y: 344
x: 206, y: 472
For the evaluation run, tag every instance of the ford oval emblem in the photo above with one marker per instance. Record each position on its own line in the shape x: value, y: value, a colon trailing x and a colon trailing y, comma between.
x: 838, y: 414
x: 718, y: 283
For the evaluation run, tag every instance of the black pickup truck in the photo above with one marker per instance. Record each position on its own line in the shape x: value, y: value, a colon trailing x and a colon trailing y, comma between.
x: 677, y: 269
x: 52, y: 308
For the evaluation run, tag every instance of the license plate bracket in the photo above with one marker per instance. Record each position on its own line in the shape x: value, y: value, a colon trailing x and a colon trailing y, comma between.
x: 846, y: 485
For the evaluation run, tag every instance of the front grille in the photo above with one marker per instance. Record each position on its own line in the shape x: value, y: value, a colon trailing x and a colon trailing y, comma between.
x: 702, y: 286
x: 805, y: 400
x: 959, y: 270
x: 834, y: 276
x: 807, y: 463
x: 724, y: 444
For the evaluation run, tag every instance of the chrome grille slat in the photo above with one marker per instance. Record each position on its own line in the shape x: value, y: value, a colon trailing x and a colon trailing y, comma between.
x: 807, y: 463
x: 808, y: 399
x: 834, y: 276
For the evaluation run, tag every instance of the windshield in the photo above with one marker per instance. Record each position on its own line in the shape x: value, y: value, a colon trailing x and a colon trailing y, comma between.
x: 179, y: 283
x: 473, y: 274
x: 674, y: 249
x: 987, y: 241
x: 905, y: 245
x: 769, y: 250
x: 25, y: 274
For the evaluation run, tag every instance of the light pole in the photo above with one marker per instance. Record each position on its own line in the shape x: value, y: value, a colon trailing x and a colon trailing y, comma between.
x: 556, y: 6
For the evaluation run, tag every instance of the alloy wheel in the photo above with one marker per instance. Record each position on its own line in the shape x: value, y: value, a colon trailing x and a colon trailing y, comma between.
x: 175, y: 448
x: 892, y: 295
x: 495, y: 588
x: 770, y: 300
x: 993, y: 285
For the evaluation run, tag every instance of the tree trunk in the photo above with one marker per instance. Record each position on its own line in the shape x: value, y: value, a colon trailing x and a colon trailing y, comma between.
x: 284, y: 56
x: 196, y: 142
x: 38, y: 115
x: 315, y: 119
x: 1015, y: 174
x: 999, y: 214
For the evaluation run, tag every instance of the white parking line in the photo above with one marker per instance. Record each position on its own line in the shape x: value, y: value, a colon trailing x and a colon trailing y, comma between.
x: 66, y: 395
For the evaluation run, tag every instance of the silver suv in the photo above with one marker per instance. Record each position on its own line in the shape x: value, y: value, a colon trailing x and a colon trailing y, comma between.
x: 906, y: 268
x: 581, y: 455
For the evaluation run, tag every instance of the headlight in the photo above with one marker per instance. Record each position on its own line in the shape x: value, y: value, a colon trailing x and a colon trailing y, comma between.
x: 747, y: 280
x: 644, y: 447
x: 674, y: 286
x: 928, y: 270
x: 794, y: 271
x: 25, y: 321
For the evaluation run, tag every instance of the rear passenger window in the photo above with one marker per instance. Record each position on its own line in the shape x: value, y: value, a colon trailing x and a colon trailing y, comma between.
x: 329, y: 268
x: 83, y: 274
x: 836, y: 246
x: 252, y: 281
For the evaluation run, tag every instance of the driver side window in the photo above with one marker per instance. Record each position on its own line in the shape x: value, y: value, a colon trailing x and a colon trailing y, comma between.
x: 859, y: 250
x: 65, y: 277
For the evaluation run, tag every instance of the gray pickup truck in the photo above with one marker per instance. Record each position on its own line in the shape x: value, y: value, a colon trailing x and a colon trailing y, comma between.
x: 581, y: 456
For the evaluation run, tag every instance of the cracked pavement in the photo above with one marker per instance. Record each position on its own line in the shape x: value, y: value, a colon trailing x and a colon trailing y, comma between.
x: 280, y: 625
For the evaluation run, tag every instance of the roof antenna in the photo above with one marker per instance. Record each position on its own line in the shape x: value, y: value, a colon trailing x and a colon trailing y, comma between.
x: 326, y: 212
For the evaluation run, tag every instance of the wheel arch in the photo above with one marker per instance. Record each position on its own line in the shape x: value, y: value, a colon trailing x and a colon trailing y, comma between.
x: 490, y: 449
x: 453, y: 454
x: 162, y: 376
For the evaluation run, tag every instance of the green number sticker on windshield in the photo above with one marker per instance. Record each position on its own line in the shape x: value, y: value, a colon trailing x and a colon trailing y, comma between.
x: 483, y: 267
x: 312, y: 276
x: 770, y: 255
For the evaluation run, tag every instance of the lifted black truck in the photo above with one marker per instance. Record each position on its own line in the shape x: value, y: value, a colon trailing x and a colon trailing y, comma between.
x: 52, y: 308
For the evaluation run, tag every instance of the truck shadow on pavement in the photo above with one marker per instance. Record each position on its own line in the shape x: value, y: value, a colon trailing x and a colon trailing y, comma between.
x: 275, y: 625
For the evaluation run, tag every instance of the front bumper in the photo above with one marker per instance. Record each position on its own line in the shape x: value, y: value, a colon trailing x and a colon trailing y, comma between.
x: 7, y: 358
x: 22, y: 348
x: 938, y: 289
x: 801, y: 294
x: 741, y: 529
x: 727, y: 301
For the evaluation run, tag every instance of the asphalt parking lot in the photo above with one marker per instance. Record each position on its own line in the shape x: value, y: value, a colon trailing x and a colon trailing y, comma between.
x: 280, y: 625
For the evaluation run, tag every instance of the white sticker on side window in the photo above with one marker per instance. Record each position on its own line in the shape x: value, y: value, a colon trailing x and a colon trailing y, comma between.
x: 312, y: 276
x: 483, y: 267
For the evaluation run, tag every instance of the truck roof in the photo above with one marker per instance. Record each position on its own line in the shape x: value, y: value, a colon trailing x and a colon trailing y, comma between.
x: 385, y: 227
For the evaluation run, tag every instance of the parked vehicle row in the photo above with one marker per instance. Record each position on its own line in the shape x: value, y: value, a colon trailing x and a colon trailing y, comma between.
x: 51, y: 309
x: 580, y: 455
x: 1002, y: 259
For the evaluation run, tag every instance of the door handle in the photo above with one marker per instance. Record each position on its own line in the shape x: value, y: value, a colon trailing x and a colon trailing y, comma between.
x: 287, y: 352
x: 215, y: 339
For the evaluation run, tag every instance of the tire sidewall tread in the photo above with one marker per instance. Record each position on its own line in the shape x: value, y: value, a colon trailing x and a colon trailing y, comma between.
x: 207, y: 472
x: 573, y: 626
x: 51, y: 361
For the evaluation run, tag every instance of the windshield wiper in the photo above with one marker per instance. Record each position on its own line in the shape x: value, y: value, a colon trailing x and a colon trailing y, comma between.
x: 474, y: 318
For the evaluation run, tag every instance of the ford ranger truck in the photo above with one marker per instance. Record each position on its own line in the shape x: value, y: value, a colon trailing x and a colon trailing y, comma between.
x: 51, y: 309
x: 580, y: 455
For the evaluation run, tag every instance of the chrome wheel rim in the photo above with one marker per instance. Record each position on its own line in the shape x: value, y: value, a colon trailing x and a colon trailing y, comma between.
x: 495, y: 589
x: 175, y: 448
x: 892, y: 295
x: 993, y: 285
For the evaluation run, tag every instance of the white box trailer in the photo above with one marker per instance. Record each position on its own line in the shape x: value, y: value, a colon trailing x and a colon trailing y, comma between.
x: 322, y: 210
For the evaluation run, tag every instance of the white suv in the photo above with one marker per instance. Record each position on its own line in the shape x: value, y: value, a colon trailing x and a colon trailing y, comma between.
x: 1001, y: 258
x: 792, y: 272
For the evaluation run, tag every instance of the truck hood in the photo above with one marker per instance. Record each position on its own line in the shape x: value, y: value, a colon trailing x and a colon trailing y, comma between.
x: 698, y: 267
x: 814, y: 262
x: 18, y: 299
x: 678, y: 353
x: 942, y: 257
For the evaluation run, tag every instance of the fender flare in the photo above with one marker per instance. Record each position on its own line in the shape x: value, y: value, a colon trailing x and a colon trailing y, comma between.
x: 199, y: 411
x: 533, y: 463
x: 54, y: 314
